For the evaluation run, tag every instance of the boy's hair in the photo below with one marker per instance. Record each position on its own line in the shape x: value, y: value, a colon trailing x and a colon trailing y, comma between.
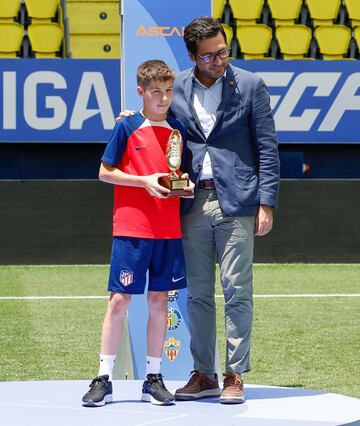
x: 153, y: 70
x: 199, y: 29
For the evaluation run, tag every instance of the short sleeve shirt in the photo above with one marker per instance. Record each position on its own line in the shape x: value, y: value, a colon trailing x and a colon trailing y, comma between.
x: 137, y: 146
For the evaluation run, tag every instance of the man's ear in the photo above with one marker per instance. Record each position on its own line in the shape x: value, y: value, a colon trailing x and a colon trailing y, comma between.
x: 140, y: 91
x: 192, y: 56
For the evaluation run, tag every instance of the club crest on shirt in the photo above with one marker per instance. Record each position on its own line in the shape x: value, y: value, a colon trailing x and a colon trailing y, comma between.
x: 126, y: 277
x: 172, y: 348
x: 173, y: 295
x: 174, y: 319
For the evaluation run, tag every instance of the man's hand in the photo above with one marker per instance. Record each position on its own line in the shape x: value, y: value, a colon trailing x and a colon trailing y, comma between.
x: 151, y: 184
x: 123, y: 114
x: 264, y: 220
x: 190, y: 188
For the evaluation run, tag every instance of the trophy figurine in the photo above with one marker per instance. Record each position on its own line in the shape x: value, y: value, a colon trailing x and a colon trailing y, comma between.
x: 173, y: 154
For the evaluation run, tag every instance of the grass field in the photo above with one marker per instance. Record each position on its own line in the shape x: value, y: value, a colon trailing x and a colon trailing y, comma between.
x: 307, y: 342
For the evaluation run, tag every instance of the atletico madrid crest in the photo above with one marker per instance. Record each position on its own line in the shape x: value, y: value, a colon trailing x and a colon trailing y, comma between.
x: 126, y: 277
x: 172, y: 348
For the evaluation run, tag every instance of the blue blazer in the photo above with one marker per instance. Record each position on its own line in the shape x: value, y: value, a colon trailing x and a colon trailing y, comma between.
x: 242, y: 145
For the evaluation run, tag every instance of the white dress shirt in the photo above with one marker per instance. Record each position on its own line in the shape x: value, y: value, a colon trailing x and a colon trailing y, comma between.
x: 206, y: 101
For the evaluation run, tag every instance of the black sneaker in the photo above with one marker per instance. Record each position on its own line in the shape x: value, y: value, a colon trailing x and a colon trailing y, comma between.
x: 154, y: 391
x: 100, y: 392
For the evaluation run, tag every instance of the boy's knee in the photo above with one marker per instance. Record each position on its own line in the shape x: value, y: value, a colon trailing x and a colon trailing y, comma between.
x: 119, y: 303
x: 157, y: 301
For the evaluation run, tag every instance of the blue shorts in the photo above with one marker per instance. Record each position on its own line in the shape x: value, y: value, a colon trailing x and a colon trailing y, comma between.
x: 132, y: 258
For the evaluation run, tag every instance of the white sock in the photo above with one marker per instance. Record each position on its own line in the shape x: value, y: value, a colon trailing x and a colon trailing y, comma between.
x: 107, y: 363
x: 153, y: 365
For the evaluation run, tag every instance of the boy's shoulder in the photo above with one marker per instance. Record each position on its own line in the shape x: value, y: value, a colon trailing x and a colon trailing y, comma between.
x: 131, y: 121
x: 128, y: 124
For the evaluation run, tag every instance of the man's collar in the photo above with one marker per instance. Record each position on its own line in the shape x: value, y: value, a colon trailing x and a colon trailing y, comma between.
x: 218, y: 80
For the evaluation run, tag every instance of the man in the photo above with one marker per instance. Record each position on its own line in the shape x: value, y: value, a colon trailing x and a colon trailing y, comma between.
x: 233, y: 158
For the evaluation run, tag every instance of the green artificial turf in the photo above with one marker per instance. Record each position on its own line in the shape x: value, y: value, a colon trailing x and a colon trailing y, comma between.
x: 311, y: 343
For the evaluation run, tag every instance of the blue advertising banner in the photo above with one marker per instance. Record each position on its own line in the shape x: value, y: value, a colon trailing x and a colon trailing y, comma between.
x: 58, y: 100
x: 176, y: 360
x: 312, y: 101
x: 77, y: 100
x: 154, y: 30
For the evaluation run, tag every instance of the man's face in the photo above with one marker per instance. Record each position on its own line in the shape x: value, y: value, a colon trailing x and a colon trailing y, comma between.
x: 157, y: 97
x: 209, y: 72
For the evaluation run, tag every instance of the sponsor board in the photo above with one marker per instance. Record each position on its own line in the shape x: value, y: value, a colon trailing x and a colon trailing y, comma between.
x: 317, y: 102
x: 58, y: 100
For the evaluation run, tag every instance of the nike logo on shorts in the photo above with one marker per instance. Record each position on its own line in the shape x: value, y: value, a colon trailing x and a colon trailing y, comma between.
x: 175, y: 280
x: 137, y: 148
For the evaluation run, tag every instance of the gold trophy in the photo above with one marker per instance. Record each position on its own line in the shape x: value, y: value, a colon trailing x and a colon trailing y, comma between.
x: 173, y: 154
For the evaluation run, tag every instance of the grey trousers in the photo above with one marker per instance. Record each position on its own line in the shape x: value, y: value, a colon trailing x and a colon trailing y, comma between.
x: 209, y: 236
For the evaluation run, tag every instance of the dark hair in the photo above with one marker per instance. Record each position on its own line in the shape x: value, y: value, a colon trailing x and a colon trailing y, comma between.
x: 200, y: 29
x: 153, y: 70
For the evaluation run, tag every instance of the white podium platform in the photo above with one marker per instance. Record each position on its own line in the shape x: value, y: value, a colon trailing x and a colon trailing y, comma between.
x: 58, y: 403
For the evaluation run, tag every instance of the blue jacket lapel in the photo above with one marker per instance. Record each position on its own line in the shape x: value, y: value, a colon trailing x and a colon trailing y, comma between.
x: 229, y: 86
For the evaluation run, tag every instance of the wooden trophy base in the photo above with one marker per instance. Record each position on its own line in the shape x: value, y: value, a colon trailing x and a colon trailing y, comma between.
x: 176, y: 185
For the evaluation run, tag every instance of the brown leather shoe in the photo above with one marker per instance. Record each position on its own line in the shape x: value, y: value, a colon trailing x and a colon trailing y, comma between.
x: 233, y: 391
x: 199, y: 386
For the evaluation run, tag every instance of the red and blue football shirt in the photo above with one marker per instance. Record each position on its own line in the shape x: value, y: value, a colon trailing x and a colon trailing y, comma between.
x: 137, y: 146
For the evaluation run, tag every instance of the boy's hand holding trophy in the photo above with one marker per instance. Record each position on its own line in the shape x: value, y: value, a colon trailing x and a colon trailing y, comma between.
x: 174, y: 182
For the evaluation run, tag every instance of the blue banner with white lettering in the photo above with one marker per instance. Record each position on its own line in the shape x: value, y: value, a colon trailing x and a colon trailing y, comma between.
x: 312, y: 101
x: 154, y: 30
x: 77, y: 100
x: 58, y: 100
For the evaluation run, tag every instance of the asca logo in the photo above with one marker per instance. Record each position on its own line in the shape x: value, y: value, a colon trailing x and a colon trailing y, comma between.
x: 173, y: 319
x: 159, y: 31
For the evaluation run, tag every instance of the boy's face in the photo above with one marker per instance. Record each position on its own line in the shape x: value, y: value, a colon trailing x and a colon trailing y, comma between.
x: 157, y: 97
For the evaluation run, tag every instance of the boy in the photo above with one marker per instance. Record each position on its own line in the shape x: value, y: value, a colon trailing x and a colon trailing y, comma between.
x: 146, y: 230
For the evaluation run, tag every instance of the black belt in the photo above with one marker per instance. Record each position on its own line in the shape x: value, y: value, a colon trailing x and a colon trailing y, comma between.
x: 207, y: 184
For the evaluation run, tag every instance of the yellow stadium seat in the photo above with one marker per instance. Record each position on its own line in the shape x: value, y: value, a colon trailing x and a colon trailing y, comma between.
x: 294, y: 41
x: 217, y: 8
x: 246, y: 12
x: 323, y: 12
x: 45, y: 39
x: 93, y: 17
x: 11, y: 35
x: 254, y: 40
x: 229, y: 33
x: 9, y: 10
x: 353, y: 8
x: 357, y: 36
x: 285, y: 12
x: 41, y: 10
x: 89, y: 46
x: 333, y: 41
